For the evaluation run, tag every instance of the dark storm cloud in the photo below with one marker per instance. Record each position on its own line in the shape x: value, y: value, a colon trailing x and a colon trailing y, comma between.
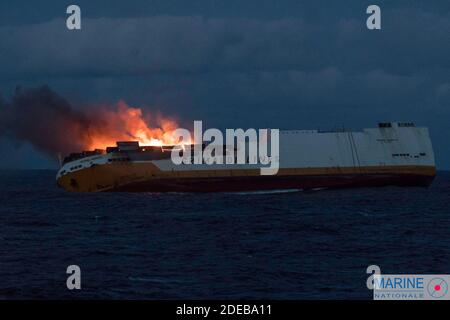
x: 284, y: 59
x: 157, y: 44
x: 195, y: 44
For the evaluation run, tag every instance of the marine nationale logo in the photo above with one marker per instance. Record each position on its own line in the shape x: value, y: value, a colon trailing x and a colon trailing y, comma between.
x: 407, y: 286
x: 437, y: 287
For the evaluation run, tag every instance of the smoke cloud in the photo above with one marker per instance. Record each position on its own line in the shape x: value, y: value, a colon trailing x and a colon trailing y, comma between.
x: 46, y: 120
x: 50, y: 123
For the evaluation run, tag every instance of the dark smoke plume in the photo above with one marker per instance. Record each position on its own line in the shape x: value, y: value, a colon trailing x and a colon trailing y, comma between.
x: 46, y: 120
x: 50, y: 123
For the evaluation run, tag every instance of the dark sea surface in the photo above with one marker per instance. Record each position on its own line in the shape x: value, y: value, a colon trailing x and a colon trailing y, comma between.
x: 297, y: 245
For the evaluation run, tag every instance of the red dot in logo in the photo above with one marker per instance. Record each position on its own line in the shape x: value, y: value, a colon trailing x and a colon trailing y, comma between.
x: 437, y: 287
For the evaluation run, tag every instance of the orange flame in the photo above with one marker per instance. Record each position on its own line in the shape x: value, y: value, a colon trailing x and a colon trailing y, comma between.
x: 131, y: 124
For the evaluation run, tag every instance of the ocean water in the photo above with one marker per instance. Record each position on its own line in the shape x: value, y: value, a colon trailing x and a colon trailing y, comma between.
x: 271, y: 245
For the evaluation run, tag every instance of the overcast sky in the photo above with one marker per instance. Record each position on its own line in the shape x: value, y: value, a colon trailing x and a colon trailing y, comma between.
x: 233, y: 63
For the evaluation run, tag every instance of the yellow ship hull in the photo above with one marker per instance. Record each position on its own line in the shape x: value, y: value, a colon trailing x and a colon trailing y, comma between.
x: 146, y: 176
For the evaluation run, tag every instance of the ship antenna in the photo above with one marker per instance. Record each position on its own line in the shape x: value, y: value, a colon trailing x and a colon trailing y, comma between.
x: 59, y: 158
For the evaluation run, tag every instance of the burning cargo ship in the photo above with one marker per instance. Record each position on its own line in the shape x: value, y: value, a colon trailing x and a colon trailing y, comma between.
x: 394, y: 153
